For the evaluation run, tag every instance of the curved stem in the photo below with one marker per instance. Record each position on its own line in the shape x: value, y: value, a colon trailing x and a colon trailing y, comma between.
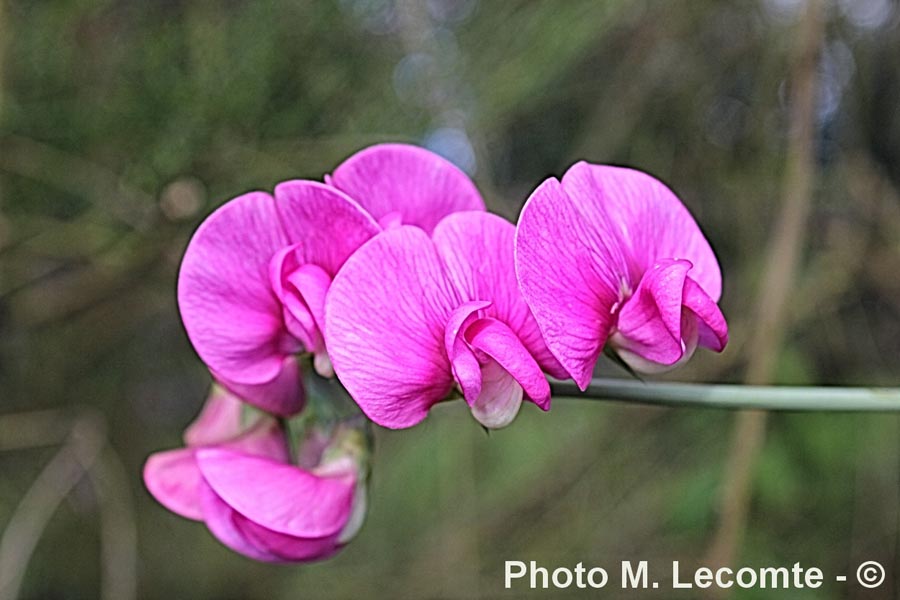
x: 734, y: 397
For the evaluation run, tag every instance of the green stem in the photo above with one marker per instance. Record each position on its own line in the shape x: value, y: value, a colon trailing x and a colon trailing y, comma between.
x: 733, y: 397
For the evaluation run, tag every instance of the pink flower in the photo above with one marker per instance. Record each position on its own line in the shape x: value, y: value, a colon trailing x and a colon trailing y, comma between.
x: 611, y: 256
x: 410, y: 317
x: 240, y: 481
x: 253, y: 281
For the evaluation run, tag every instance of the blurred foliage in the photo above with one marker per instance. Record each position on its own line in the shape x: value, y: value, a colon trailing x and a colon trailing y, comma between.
x: 123, y: 123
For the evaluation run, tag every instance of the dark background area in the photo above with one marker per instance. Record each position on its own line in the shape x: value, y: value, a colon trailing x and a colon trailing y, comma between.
x: 123, y: 123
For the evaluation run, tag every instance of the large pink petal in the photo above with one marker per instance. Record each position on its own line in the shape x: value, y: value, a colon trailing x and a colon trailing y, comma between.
x: 279, y: 496
x: 325, y: 224
x: 498, y: 341
x: 569, y: 272
x: 229, y: 311
x: 478, y: 250
x: 646, y: 218
x: 283, y: 396
x: 419, y: 185
x: 385, y: 323
x: 649, y: 323
x: 172, y: 477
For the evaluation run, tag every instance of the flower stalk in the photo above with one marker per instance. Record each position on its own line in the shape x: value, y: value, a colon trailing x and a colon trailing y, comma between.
x: 736, y: 397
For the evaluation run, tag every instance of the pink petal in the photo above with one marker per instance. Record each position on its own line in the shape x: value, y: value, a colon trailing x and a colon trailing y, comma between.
x: 221, y: 521
x: 398, y: 178
x: 646, y: 218
x: 278, y: 496
x: 302, y: 287
x: 465, y: 366
x: 325, y: 224
x: 286, y: 547
x: 219, y: 419
x: 298, y: 319
x: 713, y: 329
x: 229, y: 311
x: 649, y: 323
x: 312, y: 283
x: 477, y: 249
x: 172, y: 477
x: 497, y: 340
x: 568, y: 270
x: 385, y: 323
x: 283, y: 396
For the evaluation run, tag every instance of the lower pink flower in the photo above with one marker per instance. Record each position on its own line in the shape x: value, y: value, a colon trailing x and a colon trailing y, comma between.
x: 240, y: 481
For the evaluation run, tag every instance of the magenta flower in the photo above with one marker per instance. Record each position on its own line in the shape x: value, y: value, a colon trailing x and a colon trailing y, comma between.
x: 240, y: 481
x: 410, y: 317
x: 253, y: 281
x: 611, y: 256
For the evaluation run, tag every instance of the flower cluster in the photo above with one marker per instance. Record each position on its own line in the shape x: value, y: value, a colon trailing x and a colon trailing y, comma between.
x: 238, y: 477
x: 394, y: 279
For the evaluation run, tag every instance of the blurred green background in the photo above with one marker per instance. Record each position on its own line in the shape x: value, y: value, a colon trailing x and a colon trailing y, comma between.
x: 123, y: 123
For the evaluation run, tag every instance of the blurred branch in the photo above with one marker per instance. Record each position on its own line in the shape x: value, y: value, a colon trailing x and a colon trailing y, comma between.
x: 40, y: 502
x: 63, y: 294
x: 74, y: 175
x: 779, y: 273
x: 34, y: 429
x: 118, y: 531
x: 733, y: 396
x: 85, y: 451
